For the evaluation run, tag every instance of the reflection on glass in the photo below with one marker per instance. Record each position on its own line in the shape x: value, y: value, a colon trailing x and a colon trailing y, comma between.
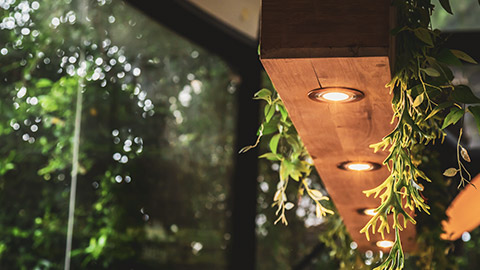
x: 465, y: 16
x: 468, y: 74
x: 156, y: 144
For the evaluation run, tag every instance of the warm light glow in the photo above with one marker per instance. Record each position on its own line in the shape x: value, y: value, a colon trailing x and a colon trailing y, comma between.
x: 369, y: 211
x: 362, y: 166
x: 336, y: 96
x: 385, y: 244
x: 359, y: 166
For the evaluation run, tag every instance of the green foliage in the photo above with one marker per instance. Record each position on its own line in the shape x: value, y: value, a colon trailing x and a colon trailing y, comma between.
x: 286, y: 148
x: 422, y: 87
x: 161, y: 143
x: 425, y: 102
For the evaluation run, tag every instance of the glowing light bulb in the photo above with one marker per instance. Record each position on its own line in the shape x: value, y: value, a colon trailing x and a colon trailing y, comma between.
x: 362, y: 166
x: 336, y: 96
x: 369, y: 212
x: 359, y: 166
x: 385, y: 244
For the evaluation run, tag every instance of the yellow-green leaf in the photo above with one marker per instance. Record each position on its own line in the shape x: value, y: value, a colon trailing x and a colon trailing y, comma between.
x: 453, y: 117
x: 274, y: 143
x: 450, y: 172
x: 431, y: 72
x: 270, y: 156
x: 418, y: 100
x: 264, y: 94
x: 463, y: 56
x: 316, y: 194
x: 269, y: 112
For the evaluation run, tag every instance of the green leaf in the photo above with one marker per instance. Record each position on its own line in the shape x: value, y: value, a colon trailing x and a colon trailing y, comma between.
x: 424, y: 35
x: 450, y: 172
x: 271, y: 127
x: 270, y: 156
x: 446, y: 56
x: 418, y: 100
x: 431, y: 72
x: 446, y: 5
x: 285, y: 169
x: 464, y: 94
x: 295, y: 174
x: 43, y: 83
x: 440, y: 107
x: 283, y: 111
x: 269, y: 112
x: 475, y: 110
x: 463, y: 56
x: 274, y: 143
x: 453, y: 117
x: 264, y: 94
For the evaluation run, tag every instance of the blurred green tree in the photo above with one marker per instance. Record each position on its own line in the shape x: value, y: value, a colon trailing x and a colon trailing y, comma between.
x: 156, y: 144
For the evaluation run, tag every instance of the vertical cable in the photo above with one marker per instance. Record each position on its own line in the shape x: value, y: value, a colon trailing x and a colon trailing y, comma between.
x: 73, y: 185
x: 81, y: 72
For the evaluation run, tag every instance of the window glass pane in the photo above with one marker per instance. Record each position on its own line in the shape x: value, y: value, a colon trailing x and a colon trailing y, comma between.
x: 465, y: 16
x: 468, y: 74
x: 155, y: 146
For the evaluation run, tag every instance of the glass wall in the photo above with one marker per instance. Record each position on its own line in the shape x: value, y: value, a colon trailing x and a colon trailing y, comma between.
x: 465, y: 16
x: 156, y: 139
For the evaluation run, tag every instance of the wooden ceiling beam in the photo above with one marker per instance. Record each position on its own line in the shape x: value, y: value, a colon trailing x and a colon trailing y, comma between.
x: 309, y: 44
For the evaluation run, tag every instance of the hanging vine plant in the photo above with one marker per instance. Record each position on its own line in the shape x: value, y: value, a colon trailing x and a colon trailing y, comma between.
x: 425, y: 102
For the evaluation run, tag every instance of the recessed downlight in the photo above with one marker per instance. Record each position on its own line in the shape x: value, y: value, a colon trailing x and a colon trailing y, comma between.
x: 384, y: 244
x: 369, y: 211
x: 335, y: 94
x: 359, y: 166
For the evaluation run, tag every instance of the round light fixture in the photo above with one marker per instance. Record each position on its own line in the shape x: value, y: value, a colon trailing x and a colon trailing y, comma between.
x: 385, y: 244
x: 335, y: 94
x: 361, y: 166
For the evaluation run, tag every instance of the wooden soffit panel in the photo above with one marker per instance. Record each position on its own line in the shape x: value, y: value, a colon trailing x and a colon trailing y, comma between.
x: 463, y: 213
x: 309, y: 44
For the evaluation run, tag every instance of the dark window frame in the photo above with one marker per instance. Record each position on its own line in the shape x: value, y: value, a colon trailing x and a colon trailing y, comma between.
x: 240, y: 52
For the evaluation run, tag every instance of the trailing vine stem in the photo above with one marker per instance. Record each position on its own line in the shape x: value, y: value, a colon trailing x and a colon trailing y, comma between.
x: 422, y: 89
x: 286, y: 148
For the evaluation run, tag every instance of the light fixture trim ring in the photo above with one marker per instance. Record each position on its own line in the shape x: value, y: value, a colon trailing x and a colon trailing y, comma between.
x: 318, y: 94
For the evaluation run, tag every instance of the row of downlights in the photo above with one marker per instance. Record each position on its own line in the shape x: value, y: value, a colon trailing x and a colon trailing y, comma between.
x: 344, y: 95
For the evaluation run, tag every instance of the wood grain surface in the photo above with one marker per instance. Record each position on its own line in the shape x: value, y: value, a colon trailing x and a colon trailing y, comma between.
x: 462, y: 215
x: 326, y: 28
x: 309, y: 44
x: 338, y: 132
